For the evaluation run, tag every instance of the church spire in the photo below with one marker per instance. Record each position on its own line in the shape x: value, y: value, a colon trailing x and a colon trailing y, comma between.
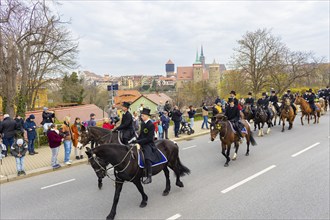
x: 202, y: 54
x: 197, y: 61
x: 202, y: 58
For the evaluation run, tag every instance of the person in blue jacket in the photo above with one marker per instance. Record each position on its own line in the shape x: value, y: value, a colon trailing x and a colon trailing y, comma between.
x: 30, y: 127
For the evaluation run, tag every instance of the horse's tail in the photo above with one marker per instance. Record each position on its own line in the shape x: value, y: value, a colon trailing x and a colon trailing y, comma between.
x: 253, y: 141
x: 183, y: 170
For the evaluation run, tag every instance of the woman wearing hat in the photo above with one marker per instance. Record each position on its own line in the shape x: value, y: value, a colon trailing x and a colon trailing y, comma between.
x: 30, y: 127
x: 146, y: 140
x: 126, y: 125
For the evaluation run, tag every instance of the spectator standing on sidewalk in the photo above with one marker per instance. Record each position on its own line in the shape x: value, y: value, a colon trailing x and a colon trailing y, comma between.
x: 191, y: 114
x: 205, y: 114
x: 20, y: 126
x: 8, y: 129
x: 66, y: 133
x: 54, y: 141
x: 91, y: 122
x: 30, y: 127
x: 76, y: 131
x: 107, y: 124
x: 18, y: 150
x: 47, y: 119
x: 113, y: 114
x: 176, y: 116
x: 160, y: 131
x: 165, y: 124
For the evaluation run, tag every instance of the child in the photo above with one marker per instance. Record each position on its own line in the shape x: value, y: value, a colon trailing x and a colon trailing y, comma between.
x: 18, y: 150
x: 107, y: 124
x: 160, y: 131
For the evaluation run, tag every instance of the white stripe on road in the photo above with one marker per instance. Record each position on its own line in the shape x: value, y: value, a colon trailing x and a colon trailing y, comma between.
x: 176, y: 216
x: 186, y: 148
x: 306, y: 149
x: 248, y: 179
x: 56, y: 184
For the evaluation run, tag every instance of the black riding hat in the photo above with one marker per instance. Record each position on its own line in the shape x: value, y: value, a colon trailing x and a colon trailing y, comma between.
x: 233, y: 92
x: 288, y: 90
x: 310, y: 90
x: 126, y: 104
x: 250, y: 93
x: 273, y: 91
x: 145, y: 111
x: 263, y: 94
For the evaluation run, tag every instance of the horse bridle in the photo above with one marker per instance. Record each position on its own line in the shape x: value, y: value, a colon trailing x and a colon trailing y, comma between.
x: 218, y: 127
x: 101, y: 168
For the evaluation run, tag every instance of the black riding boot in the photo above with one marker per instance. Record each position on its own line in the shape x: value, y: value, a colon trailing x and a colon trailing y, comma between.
x: 149, y: 172
x: 294, y: 109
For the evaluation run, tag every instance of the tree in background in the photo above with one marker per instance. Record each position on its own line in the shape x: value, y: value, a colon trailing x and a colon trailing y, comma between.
x: 72, y: 90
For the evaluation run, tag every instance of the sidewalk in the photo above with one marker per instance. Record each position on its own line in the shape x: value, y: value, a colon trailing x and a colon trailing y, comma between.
x: 40, y: 163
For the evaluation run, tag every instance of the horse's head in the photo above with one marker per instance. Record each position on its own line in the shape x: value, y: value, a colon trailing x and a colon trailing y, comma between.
x: 84, y: 137
x: 287, y: 102
x: 97, y: 163
x: 216, y: 125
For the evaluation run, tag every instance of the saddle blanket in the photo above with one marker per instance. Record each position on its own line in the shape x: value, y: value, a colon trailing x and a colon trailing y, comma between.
x: 242, y: 131
x: 161, y: 161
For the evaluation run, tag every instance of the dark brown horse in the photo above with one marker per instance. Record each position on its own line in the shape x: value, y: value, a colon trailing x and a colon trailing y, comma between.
x: 222, y: 126
x: 124, y: 161
x: 287, y: 113
x: 261, y: 118
x: 248, y: 113
x: 307, y: 110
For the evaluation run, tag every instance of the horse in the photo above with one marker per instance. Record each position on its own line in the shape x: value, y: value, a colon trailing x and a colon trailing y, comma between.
x: 322, y: 104
x: 287, y: 113
x: 228, y: 136
x: 248, y: 114
x: 275, y: 114
x: 307, y: 110
x: 124, y: 161
x: 260, y: 119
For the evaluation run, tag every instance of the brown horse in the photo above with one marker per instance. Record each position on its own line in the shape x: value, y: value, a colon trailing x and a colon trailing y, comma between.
x: 248, y: 113
x: 323, y: 105
x: 222, y: 126
x: 307, y: 110
x: 287, y: 113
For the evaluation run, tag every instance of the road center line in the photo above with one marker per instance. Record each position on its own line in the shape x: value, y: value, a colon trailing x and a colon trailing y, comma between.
x: 186, y: 148
x: 56, y: 184
x: 176, y: 216
x: 306, y: 149
x: 248, y: 179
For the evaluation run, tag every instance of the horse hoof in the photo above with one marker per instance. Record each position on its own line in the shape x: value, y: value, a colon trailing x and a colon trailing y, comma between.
x: 143, y: 204
x: 165, y: 193
x: 100, y: 186
x: 226, y: 165
x: 179, y: 184
x: 283, y: 130
x: 247, y: 154
x: 110, y: 217
x: 234, y: 158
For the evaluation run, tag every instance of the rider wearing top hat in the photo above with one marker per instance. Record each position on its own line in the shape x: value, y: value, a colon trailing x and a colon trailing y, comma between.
x: 126, y: 125
x: 146, y: 140
x: 291, y: 97
x: 233, y: 116
x: 264, y: 103
x: 232, y: 96
x: 273, y: 98
x: 310, y: 99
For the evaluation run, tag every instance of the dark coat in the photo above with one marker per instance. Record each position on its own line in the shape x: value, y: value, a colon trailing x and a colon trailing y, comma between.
x: 249, y: 101
x: 146, y: 140
x: 290, y: 96
x: 15, y: 149
x: 176, y: 115
x: 30, y: 127
x: 20, y: 124
x: 264, y: 103
x: 310, y: 98
x: 235, y: 100
x: 54, y: 139
x: 232, y: 113
x: 273, y: 99
x: 191, y: 113
x: 47, y: 117
x: 126, y: 125
x: 165, y: 121
x: 8, y: 128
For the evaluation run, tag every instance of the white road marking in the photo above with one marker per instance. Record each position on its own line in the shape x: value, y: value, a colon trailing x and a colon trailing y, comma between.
x: 248, y: 179
x: 306, y: 149
x: 186, y: 148
x: 56, y: 184
x: 176, y: 216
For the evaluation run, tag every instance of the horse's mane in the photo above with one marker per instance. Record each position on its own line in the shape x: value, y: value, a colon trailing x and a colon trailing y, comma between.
x: 105, y: 150
x: 103, y: 130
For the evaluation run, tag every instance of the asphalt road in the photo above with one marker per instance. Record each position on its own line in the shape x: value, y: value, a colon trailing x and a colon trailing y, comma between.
x: 286, y: 176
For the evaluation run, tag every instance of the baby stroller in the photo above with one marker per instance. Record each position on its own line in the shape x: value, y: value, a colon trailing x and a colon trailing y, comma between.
x: 185, y: 127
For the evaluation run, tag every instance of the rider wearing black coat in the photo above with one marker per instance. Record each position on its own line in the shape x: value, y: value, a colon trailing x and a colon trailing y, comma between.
x: 273, y: 98
x: 126, y: 125
x: 233, y: 115
x: 264, y: 103
x: 291, y: 97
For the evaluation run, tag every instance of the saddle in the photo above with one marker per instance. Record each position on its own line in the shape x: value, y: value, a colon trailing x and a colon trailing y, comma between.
x: 241, y: 126
x: 141, y: 161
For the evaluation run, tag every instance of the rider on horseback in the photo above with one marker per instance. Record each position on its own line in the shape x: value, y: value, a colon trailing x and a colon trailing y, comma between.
x: 126, y: 125
x: 291, y: 97
x: 273, y: 98
x: 233, y: 116
x: 310, y: 99
x: 250, y: 101
x: 146, y: 140
x: 232, y: 97
x: 264, y: 103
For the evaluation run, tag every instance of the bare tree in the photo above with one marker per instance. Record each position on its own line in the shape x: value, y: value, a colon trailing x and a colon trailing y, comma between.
x: 256, y: 56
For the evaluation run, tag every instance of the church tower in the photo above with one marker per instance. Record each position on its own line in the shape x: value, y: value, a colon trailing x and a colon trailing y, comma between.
x: 202, y: 58
x: 214, y: 74
x: 197, y: 69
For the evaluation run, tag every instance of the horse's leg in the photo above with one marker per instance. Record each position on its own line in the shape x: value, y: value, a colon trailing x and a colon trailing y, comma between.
x: 315, y: 117
x: 227, y: 155
x: 119, y: 186
x: 262, y: 129
x: 283, y: 124
x: 168, y: 182
x: 139, y: 186
x: 301, y: 119
x: 269, y: 125
x: 259, y: 131
x: 223, y: 151
x: 236, y: 149
x: 100, y: 184
x: 247, y: 137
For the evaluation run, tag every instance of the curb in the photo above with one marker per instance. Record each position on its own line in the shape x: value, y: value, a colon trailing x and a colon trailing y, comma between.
x: 42, y: 170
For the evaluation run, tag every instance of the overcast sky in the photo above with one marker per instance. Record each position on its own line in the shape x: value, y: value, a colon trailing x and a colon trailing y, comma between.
x: 138, y: 37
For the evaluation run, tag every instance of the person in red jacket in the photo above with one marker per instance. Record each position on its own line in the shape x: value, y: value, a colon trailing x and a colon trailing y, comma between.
x: 107, y: 124
x: 54, y: 140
